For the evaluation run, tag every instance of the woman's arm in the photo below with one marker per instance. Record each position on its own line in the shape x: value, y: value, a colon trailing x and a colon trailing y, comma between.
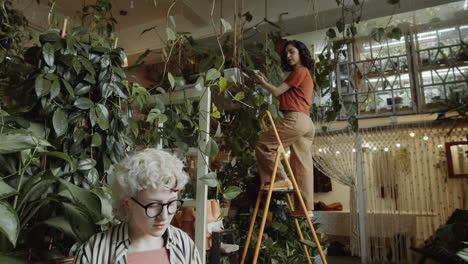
x: 275, y: 91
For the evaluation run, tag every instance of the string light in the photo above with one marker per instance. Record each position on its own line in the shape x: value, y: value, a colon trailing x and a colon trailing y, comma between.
x: 386, y: 149
x: 375, y: 148
x: 354, y: 150
x: 439, y: 146
x: 398, y: 145
x: 426, y: 138
x: 337, y: 152
x: 320, y: 150
x: 412, y: 134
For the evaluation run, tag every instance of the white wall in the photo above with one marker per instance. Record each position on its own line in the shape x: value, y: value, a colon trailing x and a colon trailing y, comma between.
x: 339, y: 193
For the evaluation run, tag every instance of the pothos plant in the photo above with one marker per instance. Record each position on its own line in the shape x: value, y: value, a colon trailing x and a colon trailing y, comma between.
x: 347, y: 27
x: 65, y: 121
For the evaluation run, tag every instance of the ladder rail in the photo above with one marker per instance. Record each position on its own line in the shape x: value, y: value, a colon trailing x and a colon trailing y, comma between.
x: 280, y: 155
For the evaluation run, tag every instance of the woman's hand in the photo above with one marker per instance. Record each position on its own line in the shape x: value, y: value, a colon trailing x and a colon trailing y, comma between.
x: 261, y: 78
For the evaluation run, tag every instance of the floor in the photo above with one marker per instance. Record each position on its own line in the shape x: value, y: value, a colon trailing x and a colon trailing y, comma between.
x: 343, y: 260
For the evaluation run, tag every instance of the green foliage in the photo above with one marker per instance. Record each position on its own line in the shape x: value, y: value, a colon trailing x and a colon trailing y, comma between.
x: 64, y: 123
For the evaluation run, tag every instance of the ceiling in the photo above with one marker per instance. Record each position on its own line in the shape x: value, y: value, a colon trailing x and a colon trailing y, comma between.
x: 297, y: 16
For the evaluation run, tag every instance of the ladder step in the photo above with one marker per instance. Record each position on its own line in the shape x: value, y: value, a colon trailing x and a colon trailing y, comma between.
x: 308, y: 243
x: 279, y: 190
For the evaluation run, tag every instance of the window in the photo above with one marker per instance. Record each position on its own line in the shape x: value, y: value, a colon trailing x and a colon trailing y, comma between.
x: 400, y: 76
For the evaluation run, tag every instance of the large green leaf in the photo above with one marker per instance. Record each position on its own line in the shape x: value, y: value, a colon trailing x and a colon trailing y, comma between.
x: 104, y: 194
x: 34, y: 188
x: 60, y: 122
x: 80, y: 222
x: 17, y: 142
x: 61, y: 155
x: 9, y: 222
x: 61, y: 224
x: 84, y: 199
x: 6, y: 190
x: 231, y: 192
x: 211, y: 148
x: 83, y: 103
x: 48, y: 53
x: 210, y: 179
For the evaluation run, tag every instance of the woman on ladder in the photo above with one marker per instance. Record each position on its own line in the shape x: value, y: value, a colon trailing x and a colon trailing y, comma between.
x: 296, y: 130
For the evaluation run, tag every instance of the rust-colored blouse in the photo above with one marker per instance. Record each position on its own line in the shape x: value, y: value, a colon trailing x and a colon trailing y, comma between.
x: 298, y: 98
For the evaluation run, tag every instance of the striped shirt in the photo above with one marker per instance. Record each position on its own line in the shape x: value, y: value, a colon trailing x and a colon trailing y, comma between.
x: 111, y: 247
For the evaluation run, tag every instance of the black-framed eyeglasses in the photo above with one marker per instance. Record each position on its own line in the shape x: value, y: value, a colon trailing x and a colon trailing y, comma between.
x: 152, y: 210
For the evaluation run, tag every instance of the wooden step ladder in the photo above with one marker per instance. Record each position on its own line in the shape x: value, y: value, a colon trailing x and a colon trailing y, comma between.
x: 280, y: 155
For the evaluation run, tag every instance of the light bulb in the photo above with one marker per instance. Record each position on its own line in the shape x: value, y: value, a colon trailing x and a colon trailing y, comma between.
x: 320, y: 150
x: 439, y: 146
x: 354, y: 150
x: 426, y: 138
x: 412, y: 134
x: 386, y: 149
x: 337, y: 152
x: 398, y: 145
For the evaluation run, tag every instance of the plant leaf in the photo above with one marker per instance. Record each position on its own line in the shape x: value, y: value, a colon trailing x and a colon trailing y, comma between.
x: 83, y: 103
x: 6, y: 190
x: 239, y: 96
x: 172, y: 20
x: 61, y: 224
x: 80, y: 222
x: 212, y: 74
x: 86, y: 164
x: 60, y: 122
x: 231, y: 192
x: 9, y: 222
x: 54, y: 89
x: 84, y: 199
x: 61, y: 155
x: 222, y: 84
x: 41, y: 85
x: 377, y: 34
x: 97, y: 140
x: 11, y: 143
x: 171, y: 79
x: 331, y: 33
x: 48, y: 53
x: 226, y: 25
x: 210, y: 179
x: 68, y: 88
x: 170, y: 34
x: 211, y: 148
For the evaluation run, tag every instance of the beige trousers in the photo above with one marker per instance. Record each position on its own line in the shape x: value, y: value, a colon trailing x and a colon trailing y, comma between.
x: 296, y: 131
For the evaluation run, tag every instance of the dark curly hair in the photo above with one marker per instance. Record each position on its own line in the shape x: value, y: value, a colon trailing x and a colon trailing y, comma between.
x: 304, y: 55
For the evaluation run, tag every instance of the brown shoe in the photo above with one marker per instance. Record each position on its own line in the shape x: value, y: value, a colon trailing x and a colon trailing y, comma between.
x: 278, y: 186
x: 300, y: 213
